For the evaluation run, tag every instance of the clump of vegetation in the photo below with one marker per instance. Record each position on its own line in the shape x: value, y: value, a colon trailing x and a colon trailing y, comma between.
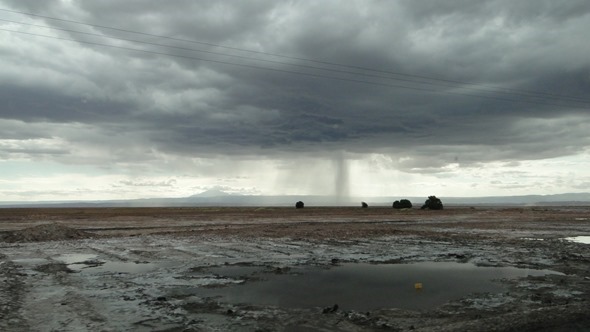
x: 402, y: 204
x: 299, y: 205
x: 364, y: 205
x: 432, y: 203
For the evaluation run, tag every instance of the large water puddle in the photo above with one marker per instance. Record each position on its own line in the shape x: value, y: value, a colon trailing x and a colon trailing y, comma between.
x: 362, y: 286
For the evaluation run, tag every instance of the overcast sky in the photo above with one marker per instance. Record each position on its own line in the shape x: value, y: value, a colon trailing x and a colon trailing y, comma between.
x: 366, y: 98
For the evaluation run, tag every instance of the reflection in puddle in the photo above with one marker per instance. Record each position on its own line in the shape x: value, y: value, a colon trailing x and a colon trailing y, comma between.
x: 579, y: 239
x: 369, y: 286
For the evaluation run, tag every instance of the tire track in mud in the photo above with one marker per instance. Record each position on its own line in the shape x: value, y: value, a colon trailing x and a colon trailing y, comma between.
x: 109, y: 253
x: 243, y: 252
x: 12, y: 293
x: 51, y: 297
x: 20, y: 282
x: 89, y: 301
x: 53, y: 301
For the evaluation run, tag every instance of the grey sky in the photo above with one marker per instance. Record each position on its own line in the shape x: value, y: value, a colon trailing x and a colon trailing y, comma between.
x: 509, y: 83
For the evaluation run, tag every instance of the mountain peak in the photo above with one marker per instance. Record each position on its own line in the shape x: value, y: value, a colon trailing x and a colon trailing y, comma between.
x: 212, y: 193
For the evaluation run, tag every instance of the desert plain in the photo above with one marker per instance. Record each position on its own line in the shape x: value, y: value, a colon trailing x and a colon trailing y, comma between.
x: 287, y: 269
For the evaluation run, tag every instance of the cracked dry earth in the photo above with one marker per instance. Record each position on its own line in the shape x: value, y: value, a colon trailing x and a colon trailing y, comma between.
x: 168, y: 269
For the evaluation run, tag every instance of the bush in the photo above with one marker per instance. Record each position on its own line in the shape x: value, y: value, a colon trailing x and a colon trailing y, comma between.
x: 432, y: 203
x: 299, y: 205
x: 402, y: 204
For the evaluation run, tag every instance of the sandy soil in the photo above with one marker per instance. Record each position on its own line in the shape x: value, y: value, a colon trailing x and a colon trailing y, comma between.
x: 141, y: 269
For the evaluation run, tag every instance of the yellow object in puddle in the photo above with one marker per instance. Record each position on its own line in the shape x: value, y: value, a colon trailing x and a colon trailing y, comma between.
x: 418, y: 286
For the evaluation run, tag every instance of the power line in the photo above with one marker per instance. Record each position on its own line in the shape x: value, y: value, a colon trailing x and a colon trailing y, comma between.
x: 292, y: 72
x: 462, y: 84
x: 577, y: 100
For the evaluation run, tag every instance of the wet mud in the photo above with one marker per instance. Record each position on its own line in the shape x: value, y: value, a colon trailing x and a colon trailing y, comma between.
x: 279, y: 269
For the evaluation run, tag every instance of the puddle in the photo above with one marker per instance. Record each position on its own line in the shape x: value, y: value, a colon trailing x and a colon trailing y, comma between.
x: 88, y: 263
x: 75, y: 258
x: 120, y: 267
x: 579, y: 239
x: 30, y: 261
x: 365, y: 287
x: 236, y: 271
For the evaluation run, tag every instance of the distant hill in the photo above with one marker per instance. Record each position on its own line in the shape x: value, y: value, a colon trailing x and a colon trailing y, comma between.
x: 219, y: 198
x: 212, y: 193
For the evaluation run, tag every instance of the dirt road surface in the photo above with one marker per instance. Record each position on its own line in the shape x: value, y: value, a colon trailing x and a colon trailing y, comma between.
x: 155, y: 269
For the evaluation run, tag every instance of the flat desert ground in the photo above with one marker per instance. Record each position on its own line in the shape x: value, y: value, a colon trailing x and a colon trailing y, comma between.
x: 287, y: 269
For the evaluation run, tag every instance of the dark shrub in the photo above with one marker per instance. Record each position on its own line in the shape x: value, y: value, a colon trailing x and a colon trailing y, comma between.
x: 364, y: 205
x: 406, y: 204
x: 299, y: 205
x: 402, y: 204
x: 432, y: 203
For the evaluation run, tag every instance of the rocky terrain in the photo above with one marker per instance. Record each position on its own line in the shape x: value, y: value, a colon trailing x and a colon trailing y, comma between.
x: 187, y: 269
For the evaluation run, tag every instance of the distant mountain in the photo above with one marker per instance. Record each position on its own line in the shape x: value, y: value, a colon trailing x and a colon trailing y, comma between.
x: 212, y: 193
x: 217, y: 197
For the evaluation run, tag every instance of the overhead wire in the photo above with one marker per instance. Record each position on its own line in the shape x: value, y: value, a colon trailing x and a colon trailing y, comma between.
x: 293, y: 72
x: 542, y: 98
x: 482, y: 89
x: 495, y: 89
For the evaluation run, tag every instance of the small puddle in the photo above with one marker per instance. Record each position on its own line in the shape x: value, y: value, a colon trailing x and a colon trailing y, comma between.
x: 236, y: 271
x: 364, y: 287
x: 119, y: 267
x: 88, y: 263
x: 30, y: 261
x: 579, y: 239
x: 75, y: 258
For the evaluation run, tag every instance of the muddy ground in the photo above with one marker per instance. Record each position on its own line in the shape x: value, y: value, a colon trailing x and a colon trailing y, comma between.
x: 143, y: 269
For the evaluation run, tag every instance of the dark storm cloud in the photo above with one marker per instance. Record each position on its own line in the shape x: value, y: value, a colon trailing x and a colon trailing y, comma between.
x: 503, y: 69
x: 40, y: 104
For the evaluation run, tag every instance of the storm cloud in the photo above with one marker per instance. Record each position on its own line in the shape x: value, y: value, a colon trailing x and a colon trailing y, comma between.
x: 152, y: 86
